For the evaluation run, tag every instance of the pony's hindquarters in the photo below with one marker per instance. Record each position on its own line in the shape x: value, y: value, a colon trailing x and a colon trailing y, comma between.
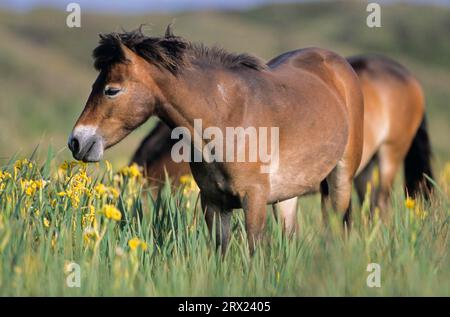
x: 337, y: 187
x: 394, y: 128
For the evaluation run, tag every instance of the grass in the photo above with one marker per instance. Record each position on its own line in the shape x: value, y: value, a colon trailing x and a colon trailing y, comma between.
x: 160, y: 245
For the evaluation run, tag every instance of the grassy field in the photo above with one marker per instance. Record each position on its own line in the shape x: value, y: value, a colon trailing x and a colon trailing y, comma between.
x: 54, y: 212
x: 128, y: 243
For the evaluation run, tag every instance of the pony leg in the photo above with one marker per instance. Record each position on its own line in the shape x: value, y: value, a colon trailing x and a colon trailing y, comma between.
x: 254, y: 205
x: 325, y: 201
x: 339, y: 185
x: 218, y: 222
x: 369, y: 176
x: 391, y: 159
x: 287, y: 210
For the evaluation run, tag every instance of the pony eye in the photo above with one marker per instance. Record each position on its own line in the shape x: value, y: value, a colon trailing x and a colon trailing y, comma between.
x: 111, y: 92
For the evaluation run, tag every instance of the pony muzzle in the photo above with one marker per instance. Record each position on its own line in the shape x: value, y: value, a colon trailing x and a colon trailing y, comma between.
x: 85, y: 144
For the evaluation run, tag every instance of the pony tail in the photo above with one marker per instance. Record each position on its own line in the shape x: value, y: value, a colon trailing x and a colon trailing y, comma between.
x: 418, y: 163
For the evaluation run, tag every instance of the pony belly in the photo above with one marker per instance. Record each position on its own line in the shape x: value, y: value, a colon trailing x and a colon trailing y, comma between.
x: 301, y: 172
x: 288, y: 185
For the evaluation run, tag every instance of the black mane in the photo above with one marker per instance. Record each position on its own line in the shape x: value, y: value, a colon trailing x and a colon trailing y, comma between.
x: 169, y: 52
x: 220, y: 57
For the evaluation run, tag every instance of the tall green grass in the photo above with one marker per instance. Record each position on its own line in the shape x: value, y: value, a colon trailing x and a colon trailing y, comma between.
x: 42, y: 230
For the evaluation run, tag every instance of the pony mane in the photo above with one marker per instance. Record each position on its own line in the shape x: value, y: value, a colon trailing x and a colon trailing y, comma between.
x: 218, y: 56
x: 169, y: 52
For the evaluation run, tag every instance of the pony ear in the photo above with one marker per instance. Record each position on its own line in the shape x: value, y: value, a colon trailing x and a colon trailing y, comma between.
x: 128, y: 54
x: 169, y: 32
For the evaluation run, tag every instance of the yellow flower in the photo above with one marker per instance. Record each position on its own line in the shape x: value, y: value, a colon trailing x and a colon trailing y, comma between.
x: 46, y: 222
x: 30, y: 191
x: 21, y: 164
x: 90, y: 234
x: 89, y: 219
x: 18, y: 164
x: 40, y: 183
x: 135, y: 243
x: 131, y: 171
x: 113, y: 192
x: 116, y: 215
x: 77, y: 186
x: 134, y: 170
x: 4, y: 175
x: 111, y: 212
x: 31, y: 186
x: 186, y: 179
x: 410, y: 203
x: 189, y: 184
x: 64, y: 167
x: 101, y: 189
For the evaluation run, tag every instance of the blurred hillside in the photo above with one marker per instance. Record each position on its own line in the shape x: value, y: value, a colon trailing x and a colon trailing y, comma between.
x: 46, y: 68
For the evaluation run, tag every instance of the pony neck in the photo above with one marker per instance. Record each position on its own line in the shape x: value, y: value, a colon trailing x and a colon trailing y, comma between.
x: 210, y: 95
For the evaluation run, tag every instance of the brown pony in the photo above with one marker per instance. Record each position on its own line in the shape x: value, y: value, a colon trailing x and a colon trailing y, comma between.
x: 395, y: 132
x: 311, y: 95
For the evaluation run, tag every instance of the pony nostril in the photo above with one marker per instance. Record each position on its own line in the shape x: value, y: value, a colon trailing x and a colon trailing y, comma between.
x: 74, y: 145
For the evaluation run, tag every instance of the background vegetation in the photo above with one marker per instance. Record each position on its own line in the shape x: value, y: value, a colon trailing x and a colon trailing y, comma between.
x: 46, y: 68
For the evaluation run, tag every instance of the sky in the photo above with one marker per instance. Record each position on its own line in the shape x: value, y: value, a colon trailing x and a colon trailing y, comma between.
x: 132, y: 6
x: 138, y: 5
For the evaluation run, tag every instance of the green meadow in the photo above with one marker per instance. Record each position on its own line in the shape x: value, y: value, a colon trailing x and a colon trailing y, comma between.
x: 128, y: 242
